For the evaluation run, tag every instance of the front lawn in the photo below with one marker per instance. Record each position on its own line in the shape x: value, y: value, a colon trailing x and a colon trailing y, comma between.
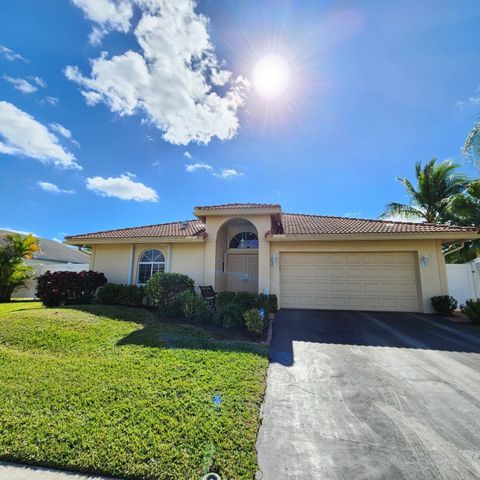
x: 111, y: 390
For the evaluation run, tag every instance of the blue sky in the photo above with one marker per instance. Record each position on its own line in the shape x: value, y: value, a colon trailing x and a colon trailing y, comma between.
x: 372, y: 88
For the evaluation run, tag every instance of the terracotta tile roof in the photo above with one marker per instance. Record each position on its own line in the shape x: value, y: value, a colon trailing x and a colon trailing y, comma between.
x: 173, y: 230
x: 293, y: 224
x: 299, y: 224
x: 238, y: 206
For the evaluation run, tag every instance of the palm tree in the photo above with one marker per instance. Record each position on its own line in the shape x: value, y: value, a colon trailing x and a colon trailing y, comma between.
x: 471, y: 147
x: 465, y: 210
x: 436, y: 185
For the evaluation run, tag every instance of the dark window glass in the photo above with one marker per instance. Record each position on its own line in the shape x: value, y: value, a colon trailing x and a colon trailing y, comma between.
x: 150, y: 262
x: 244, y: 240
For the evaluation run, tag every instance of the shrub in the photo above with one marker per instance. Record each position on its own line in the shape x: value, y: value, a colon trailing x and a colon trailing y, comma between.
x: 254, y: 322
x: 116, y: 294
x: 472, y: 310
x: 263, y: 302
x: 246, y: 300
x: 163, y: 291
x: 190, y: 303
x: 272, y: 303
x: 229, y: 316
x: 444, y: 304
x: 224, y: 298
x: 67, y: 288
x: 203, y: 313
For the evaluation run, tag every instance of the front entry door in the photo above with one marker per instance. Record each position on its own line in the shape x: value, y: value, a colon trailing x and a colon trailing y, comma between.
x: 242, y: 273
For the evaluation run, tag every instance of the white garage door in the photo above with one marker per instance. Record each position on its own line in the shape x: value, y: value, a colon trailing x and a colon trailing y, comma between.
x: 349, y: 281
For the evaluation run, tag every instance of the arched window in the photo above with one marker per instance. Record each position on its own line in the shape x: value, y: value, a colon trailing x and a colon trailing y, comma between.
x: 150, y: 262
x: 244, y: 240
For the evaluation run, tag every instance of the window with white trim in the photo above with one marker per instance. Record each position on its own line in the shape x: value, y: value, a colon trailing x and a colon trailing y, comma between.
x: 150, y: 262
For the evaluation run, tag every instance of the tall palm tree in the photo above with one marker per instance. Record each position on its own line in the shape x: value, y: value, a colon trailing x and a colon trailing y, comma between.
x: 429, y: 199
x: 471, y: 147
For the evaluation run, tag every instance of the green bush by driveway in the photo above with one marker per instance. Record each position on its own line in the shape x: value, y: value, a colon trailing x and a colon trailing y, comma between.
x: 111, y: 390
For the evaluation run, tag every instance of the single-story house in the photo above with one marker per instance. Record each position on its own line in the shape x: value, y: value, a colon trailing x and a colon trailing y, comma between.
x: 53, y: 256
x: 308, y: 261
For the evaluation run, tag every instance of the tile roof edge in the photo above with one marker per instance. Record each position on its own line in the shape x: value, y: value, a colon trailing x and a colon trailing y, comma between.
x: 80, y: 235
x: 379, y: 220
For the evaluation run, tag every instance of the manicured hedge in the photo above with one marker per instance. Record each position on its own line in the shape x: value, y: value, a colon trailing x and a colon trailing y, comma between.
x: 68, y: 288
x: 117, y: 294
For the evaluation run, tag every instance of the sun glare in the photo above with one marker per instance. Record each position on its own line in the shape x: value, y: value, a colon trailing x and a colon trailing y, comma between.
x: 271, y: 76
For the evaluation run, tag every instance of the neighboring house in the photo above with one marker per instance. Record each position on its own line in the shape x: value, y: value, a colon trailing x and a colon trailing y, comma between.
x: 308, y: 261
x: 53, y: 256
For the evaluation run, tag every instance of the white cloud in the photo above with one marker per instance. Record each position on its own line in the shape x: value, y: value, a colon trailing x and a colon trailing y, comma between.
x: 65, y: 132
x: 23, y: 135
x: 51, y: 187
x: 228, y: 173
x: 39, y: 81
x: 474, y: 100
x: 171, y: 80
x: 21, y: 84
x: 193, y: 167
x: 122, y: 187
x: 108, y: 15
x: 52, y: 101
x: 10, y: 54
x: 187, y: 155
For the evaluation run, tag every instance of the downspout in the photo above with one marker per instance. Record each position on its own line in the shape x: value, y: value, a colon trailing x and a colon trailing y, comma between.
x: 449, y: 252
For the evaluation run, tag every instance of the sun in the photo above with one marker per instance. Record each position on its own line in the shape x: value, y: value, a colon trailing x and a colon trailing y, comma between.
x: 271, y: 76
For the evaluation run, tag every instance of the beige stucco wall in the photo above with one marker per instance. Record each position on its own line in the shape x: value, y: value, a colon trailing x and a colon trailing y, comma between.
x: 112, y: 260
x: 188, y: 258
x: 433, y: 278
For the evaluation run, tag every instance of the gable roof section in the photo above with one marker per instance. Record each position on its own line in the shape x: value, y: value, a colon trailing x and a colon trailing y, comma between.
x: 299, y: 224
x: 188, y: 228
x: 53, y: 251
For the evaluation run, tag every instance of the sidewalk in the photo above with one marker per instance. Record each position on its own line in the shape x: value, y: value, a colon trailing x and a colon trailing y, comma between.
x: 13, y: 471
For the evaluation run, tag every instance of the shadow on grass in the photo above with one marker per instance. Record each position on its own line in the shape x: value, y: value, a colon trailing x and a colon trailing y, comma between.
x: 169, y: 333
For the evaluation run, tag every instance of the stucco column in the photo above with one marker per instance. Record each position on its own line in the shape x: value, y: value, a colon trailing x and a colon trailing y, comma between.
x: 131, y: 264
x: 263, y: 265
x: 169, y: 258
x: 209, y: 267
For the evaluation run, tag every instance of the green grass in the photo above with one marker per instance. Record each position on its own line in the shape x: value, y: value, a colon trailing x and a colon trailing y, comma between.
x: 111, y: 390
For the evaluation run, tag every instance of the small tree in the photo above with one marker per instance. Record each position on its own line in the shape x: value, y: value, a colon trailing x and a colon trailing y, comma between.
x: 13, y: 270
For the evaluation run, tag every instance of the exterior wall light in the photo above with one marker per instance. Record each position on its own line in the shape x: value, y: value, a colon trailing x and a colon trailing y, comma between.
x: 425, y: 260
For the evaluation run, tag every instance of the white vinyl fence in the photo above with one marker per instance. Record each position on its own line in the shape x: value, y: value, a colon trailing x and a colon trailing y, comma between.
x: 463, y: 281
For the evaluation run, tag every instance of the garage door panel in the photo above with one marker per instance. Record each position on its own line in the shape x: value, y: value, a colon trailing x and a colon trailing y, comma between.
x: 356, y: 281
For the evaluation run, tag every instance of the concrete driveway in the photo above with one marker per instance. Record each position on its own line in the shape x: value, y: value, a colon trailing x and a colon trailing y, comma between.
x: 355, y: 395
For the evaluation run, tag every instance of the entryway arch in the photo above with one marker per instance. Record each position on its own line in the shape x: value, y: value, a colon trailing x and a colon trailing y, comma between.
x: 236, y: 263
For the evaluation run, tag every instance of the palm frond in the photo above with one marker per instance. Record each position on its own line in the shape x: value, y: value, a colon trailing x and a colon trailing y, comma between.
x: 401, y: 210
